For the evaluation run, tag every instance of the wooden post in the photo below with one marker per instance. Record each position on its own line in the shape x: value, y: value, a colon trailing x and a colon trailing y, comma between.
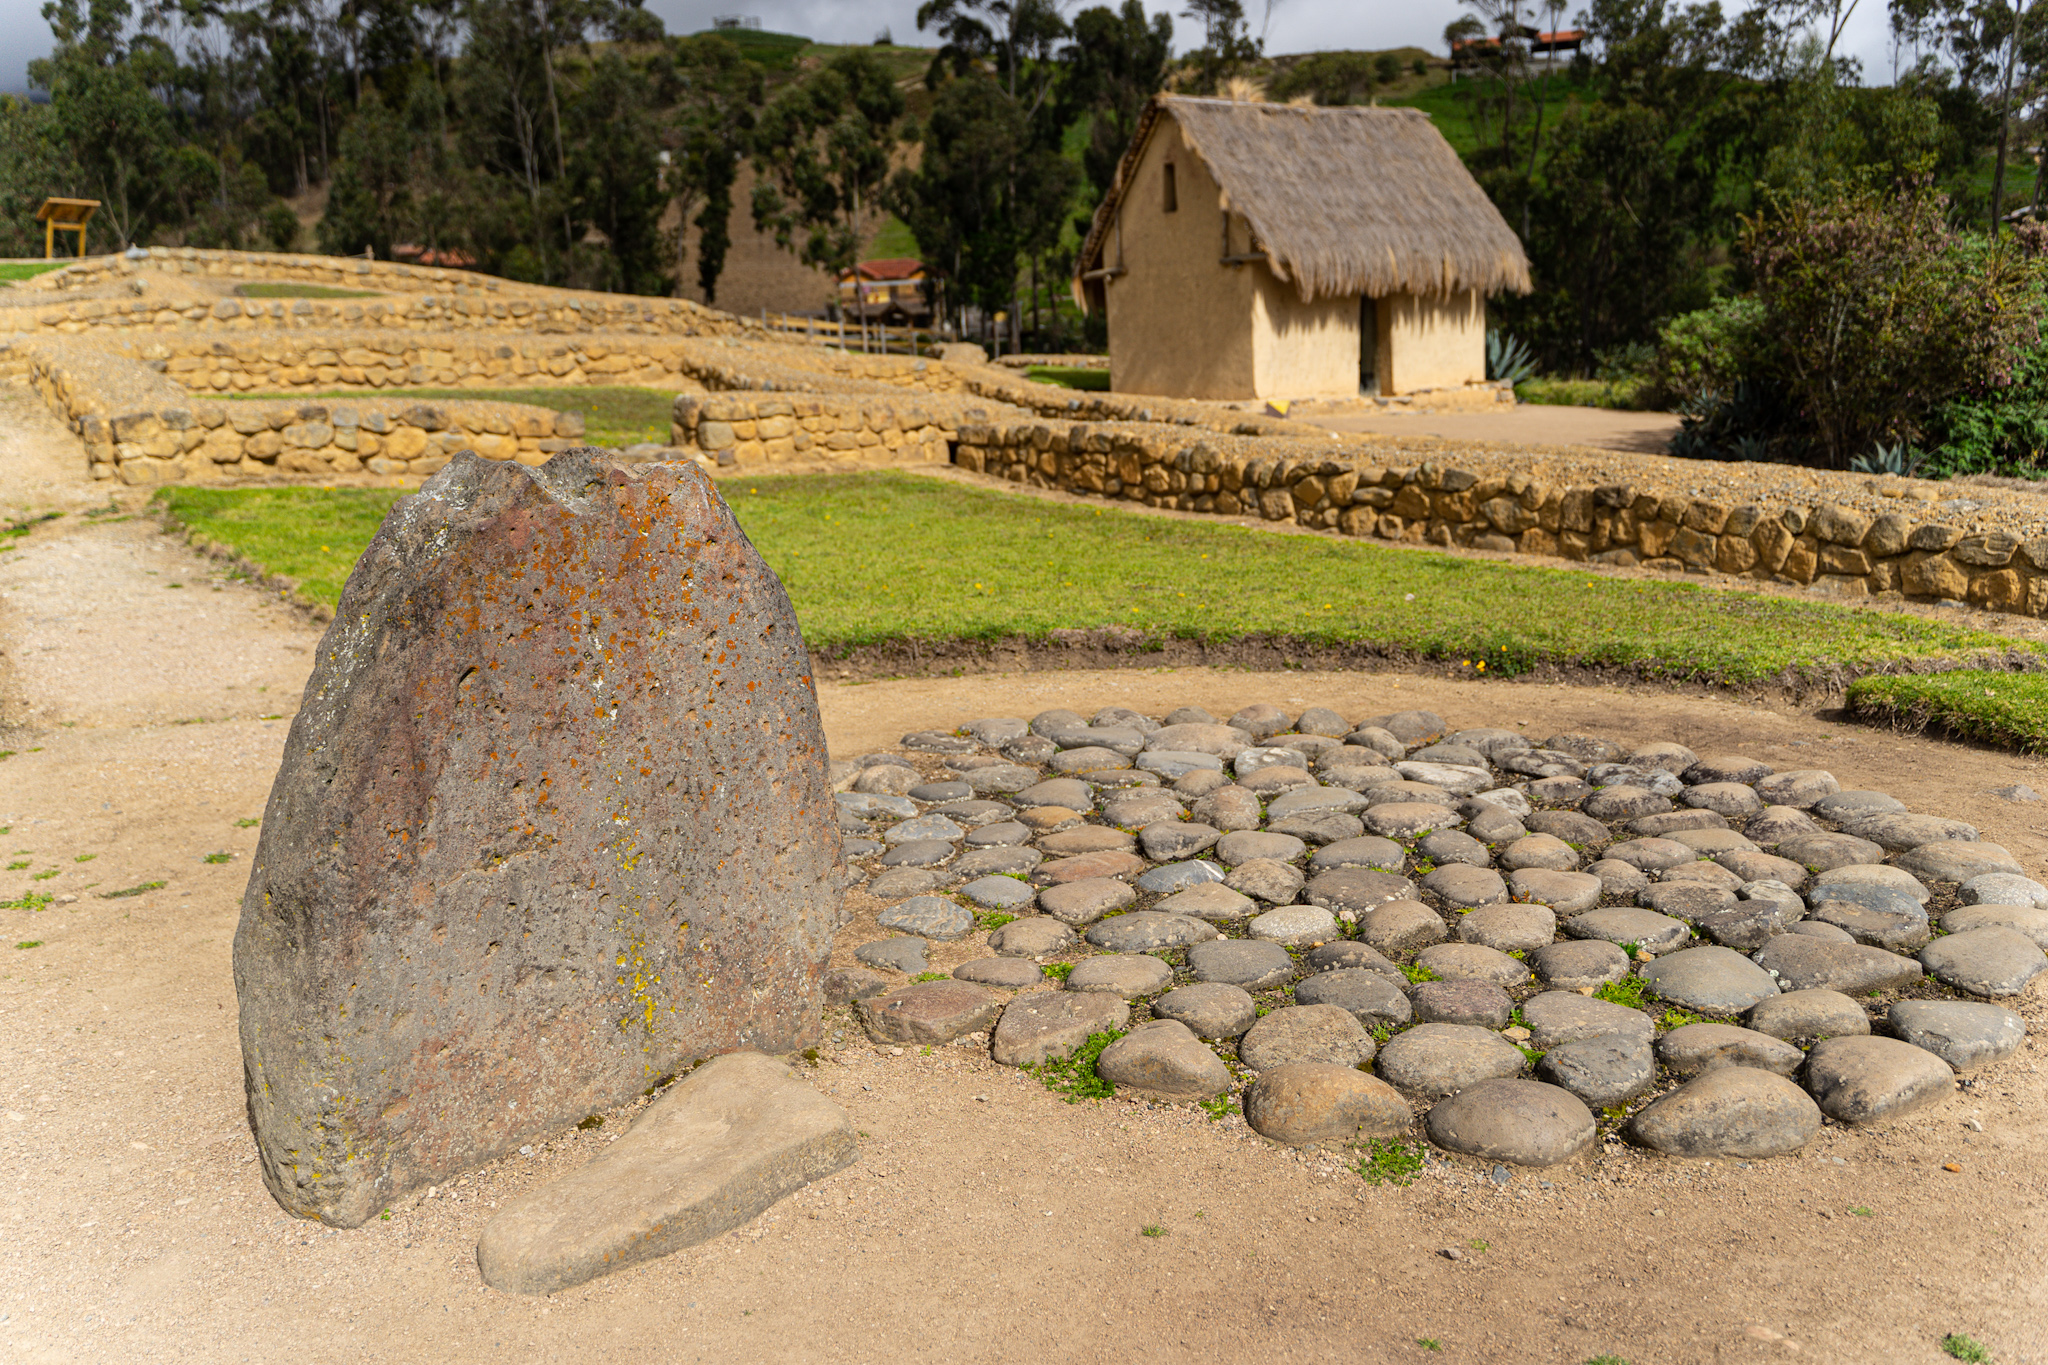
x: 49, y: 239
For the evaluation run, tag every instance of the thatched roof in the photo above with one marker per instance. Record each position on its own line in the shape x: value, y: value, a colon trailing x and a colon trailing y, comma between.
x: 1343, y: 201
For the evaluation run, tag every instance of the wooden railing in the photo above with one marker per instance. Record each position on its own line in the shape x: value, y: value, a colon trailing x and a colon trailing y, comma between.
x: 867, y: 337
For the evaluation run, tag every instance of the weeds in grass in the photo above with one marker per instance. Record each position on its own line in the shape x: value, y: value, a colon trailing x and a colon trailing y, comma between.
x: 594, y: 1121
x: 1480, y: 1244
x: 1965, y: 1348
x: 250, y: 823
x: 1429, y: 1343
x: 84, y: 857
x: 1390, y: 1163
x: 1059, y: 971
x: 32, y: 901
x: 17, y: 865
x: 1216, y: 1107
x: 1677, y: 1018
x: 1607, y: 1360
x: 44, y: 875
x: 930, y: 976
x: 30, y: 943
x: 218, y: 858
x: 1860, y: 1211
x: 1416, y: 972
x: 1152, y: 1230
x: 131, y: 891
x: 1074, y: 1078
x: 1631, y: 991
x: 1532, y: 1055
x: 989, y: 920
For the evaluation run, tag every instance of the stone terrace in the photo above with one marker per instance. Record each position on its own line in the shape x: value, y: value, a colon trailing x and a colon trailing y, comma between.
x: 133, y: 352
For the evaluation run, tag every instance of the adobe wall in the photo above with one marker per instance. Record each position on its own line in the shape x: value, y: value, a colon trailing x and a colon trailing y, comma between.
x: 1432, y: 341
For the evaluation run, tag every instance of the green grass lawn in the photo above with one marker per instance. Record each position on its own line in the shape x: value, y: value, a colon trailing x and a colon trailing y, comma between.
x: 302, y: 291
x: 1070, y: 376
x: 2006, y: 709
x: 1585, y: 393
x: 611, y: 416
x: 873, y: 558
x: 28, y: 270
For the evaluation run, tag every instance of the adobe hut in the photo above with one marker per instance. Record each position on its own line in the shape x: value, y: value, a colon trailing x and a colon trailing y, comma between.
x: 1285, y: 251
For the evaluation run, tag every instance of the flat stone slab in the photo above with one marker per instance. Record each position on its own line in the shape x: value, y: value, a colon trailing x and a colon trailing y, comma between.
x: 1079, y: 839
x: 1558, y: 1017
x: 1173, y: 840
x: 1294, y: 925
x: 1875, y: 1080
x: 1383, y: 855
x: 1193, y: 874
x: 1302, y: 1103
x: 1126, y: 974
x: 2003, y: 888
x: 1046, y: 1024
x: 1695, y: 1048
x: 1305, y: 1033
x: 843, y: 985
x: 1369, y: 997
x: 2021, y: 919
x: 1212, y: 1009
x: 1717, y: 980
x: 725, y: 1143
x: 1087, y: 867
x: 1802, y: 964
x: 1990, y: 961
x: 893, y: 954
x: 1958, y: 860
x: 1359, y: 889
x: 932, y: 917
x: 1144, y: 930
x: 1000, y: 893
x: 1820, y: 852
x: 1604, y: 1071
x: 1902, y: 832
x: 1399, y: 926
x: 1266, y: 879
x: 1031, y: 936
x: 1732, y: 1111
x: 1649, y: 930
x: 1890, y: 930
x: 1478, y: 1003
x: 1433, y: 1060
x: 1809, y: 1015
x: 1085, y: 901
x: 1472, y: 962
x: 1523, y: 1123
x: 1509, y: 928
x: 929, y: 1012
x: 1871, y: 874
x: 1163, y: 1060
x: 1568, y: 893
x: 1006, y: 973
x: 1250, y: 964
x: 1211, y: 901
x: 1966, y: 1034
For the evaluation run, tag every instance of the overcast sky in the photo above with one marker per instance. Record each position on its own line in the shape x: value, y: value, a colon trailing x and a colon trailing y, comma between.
x: 1296, y: 26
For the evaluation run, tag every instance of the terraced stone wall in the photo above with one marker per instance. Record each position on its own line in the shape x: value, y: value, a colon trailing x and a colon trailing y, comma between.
x: 207, y: 442
x: 747, y: 431
x: 1850, y: 551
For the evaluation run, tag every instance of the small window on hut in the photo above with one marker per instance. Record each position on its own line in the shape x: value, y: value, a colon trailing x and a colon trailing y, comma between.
x: 1172, y: 192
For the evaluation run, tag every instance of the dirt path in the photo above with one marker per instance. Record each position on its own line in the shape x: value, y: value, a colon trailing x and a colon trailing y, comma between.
x: 986, y: 1220
x: 1544, y: 424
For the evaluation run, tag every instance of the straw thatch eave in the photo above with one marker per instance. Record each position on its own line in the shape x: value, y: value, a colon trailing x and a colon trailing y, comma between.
x: 1344, y: 201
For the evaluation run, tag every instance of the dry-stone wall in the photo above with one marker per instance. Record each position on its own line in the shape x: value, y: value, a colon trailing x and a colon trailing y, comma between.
x: 1884, y: 546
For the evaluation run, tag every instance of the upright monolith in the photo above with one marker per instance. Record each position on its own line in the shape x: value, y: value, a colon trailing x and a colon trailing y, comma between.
x: 553, y: 821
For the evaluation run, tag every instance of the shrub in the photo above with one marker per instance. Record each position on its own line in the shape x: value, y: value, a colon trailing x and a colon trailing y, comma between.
x: 1879, y: 310
x: 1711, y: 350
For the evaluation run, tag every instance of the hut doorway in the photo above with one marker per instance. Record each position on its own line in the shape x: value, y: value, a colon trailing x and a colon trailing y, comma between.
x: 1368, y: 346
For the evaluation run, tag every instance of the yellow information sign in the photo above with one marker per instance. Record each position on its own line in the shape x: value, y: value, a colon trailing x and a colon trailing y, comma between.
x: 64, y: 215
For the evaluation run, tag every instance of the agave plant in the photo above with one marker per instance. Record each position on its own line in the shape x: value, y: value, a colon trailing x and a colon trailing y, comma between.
x: 1508, y: 357
x: 1899, y: 458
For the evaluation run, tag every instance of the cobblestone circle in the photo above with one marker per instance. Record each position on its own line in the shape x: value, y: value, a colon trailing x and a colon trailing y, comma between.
x: 1365, y: 928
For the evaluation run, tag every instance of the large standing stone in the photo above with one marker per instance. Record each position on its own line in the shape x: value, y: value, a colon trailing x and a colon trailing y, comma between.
x: 737, y: 1134
x: 553, y: 820
x: 1308, y: 1102
x: 1733, y: 1111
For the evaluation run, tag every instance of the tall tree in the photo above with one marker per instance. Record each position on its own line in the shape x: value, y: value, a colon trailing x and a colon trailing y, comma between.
x: 1227, y: 48
x: 822, y: 152
x: 716, y: 93
x: 1116, y: 62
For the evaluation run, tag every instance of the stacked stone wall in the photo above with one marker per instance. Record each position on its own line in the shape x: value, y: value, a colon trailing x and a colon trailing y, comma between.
x: 1850, y: 551
x: 744, y: 430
